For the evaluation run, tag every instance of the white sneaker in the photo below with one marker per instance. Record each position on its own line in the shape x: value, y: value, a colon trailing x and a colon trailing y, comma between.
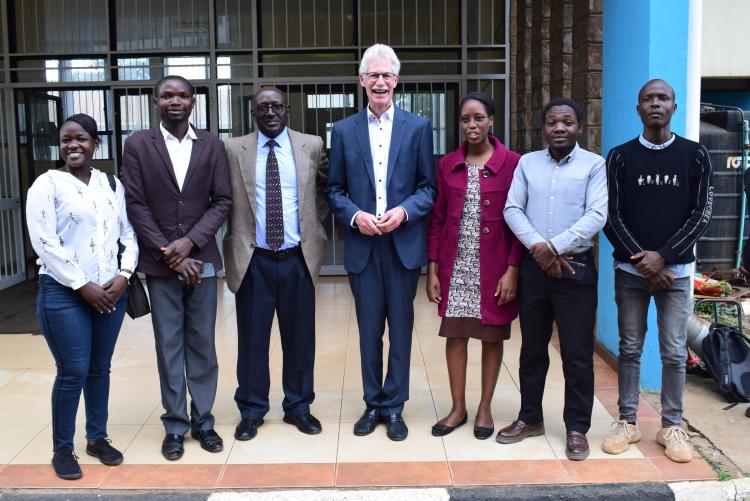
x: 621, y: 435
x: 676, y: 442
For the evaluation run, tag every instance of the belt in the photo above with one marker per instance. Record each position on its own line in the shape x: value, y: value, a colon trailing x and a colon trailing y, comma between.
x: 587, y: 254
x: 278, y: 255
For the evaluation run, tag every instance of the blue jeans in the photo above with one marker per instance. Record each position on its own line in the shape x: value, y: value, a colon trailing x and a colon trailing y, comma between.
x: 81, y: 341
x: 633, y: 295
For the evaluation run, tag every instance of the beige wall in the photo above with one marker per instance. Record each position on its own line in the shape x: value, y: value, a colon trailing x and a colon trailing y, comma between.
x: 726, y: 38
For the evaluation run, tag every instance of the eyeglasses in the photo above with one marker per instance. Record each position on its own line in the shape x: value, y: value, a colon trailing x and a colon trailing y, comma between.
x: 275, y: 107
x: 387, y: 77
x: 477, y: 118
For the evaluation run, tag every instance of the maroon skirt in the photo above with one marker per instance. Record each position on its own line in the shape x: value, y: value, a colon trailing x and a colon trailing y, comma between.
x: 473, y: 328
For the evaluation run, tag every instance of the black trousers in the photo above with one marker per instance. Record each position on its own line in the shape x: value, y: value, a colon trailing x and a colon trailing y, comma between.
x: 572, y: 304
x: 283, y: 288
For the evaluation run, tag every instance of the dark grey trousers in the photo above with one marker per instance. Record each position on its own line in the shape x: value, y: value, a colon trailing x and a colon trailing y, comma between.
x: 184, y: 320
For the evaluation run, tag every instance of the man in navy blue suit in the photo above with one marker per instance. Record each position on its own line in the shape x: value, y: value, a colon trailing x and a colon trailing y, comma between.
x: 381, y: 186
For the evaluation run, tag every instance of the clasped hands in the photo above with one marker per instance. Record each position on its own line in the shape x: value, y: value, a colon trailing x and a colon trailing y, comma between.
x: 103, y: 298
x: 551, y: 263
x: 368, y: 224
x: 176, y: 255
x: 651, y: 265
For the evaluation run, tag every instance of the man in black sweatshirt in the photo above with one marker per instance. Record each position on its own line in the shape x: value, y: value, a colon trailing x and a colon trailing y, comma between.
x: 660, y: 198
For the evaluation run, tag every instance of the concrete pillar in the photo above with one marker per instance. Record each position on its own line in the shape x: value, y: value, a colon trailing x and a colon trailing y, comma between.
x: 643, y: 39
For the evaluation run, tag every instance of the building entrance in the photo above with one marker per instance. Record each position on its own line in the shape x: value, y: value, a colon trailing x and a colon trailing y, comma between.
x: 106, y: 63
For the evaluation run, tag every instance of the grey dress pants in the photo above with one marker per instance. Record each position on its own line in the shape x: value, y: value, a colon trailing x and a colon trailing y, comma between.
x: 184, y: 320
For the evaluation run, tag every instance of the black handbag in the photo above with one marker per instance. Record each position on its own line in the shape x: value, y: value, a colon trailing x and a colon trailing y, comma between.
x: 138, y: 305
x: 137, y: 298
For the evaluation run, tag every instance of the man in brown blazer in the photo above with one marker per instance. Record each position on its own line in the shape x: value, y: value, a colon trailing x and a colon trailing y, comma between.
x: 273, y: 251
x: 178, y: 195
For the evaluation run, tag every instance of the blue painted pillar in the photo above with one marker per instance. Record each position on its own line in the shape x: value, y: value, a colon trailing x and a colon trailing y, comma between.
x: 642, y: 40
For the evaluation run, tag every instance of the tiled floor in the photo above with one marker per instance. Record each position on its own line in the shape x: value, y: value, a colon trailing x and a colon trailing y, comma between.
x: 282, y: 457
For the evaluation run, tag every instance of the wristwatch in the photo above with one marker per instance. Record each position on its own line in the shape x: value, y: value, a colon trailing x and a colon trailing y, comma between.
x: 127, y: 274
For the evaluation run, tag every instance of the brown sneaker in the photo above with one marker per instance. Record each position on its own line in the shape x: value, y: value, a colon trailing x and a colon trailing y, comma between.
x: 676, y: 442
x: 519, y: 430
x: 620, y: 437
x: 576, y: 446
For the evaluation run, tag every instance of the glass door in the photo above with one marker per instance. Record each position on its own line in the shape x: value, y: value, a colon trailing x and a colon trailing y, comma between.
x: 12, y: 264
x: 39, y: 117
x: 43, y: 115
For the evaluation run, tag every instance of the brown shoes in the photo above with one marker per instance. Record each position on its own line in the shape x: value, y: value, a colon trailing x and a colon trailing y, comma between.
x: 576, y: 447
x: 519, y: 430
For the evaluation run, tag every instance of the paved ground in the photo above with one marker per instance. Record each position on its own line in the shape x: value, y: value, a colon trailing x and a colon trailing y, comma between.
x: 727, y: 430
x: 280, y: 457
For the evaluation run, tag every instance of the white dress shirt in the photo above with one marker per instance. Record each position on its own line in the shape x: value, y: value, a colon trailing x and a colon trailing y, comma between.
x: 74, y: 228
x: 179, y: 152
x: 380, y: 144
x: 288, y: 179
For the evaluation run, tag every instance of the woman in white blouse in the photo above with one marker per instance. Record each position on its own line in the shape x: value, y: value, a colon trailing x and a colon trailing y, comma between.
x: 75, y: 222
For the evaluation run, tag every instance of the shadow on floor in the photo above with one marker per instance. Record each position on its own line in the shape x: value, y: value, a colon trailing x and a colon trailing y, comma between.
x: 17, y: 309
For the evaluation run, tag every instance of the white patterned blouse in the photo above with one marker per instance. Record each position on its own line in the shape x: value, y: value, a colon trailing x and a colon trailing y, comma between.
x: 75, y: 228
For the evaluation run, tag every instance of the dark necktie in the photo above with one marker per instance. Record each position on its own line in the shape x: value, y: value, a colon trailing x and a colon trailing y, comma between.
x: 274, y: 207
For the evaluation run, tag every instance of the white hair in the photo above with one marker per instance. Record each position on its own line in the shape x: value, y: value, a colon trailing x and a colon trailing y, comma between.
x: 379, y: 51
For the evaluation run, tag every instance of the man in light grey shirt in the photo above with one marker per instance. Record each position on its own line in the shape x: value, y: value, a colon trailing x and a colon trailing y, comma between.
x: 556, y: 205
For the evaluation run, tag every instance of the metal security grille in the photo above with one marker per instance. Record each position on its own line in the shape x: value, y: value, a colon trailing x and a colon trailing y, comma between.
x: 12, y: 267
x: 103, y: 58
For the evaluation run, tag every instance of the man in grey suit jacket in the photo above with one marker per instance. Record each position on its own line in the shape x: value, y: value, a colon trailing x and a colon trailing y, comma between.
x: 273, y: 252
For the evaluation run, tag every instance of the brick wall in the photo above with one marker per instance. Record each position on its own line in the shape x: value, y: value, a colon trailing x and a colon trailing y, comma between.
x: 555, y: 51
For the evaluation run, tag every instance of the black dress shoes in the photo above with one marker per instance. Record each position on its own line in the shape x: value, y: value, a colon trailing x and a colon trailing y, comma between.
x: 306, y: 423
x: 171, y: 447
x: 210, y: 440
x: 247, y: 429
x: 368, y: 422
x: 395, y: 427
x: 440, y: 430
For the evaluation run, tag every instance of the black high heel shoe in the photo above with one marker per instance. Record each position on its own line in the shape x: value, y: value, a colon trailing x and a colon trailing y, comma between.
x: 440, y: 430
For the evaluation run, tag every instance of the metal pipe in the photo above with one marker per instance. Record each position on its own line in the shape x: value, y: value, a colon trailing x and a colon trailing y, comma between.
x: 697, y: 330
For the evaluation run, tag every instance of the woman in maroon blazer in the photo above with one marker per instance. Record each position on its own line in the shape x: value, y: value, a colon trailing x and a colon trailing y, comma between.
x: 473, y: 258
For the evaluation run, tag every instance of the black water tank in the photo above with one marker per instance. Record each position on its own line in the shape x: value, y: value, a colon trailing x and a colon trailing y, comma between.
x: 721, y: 134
